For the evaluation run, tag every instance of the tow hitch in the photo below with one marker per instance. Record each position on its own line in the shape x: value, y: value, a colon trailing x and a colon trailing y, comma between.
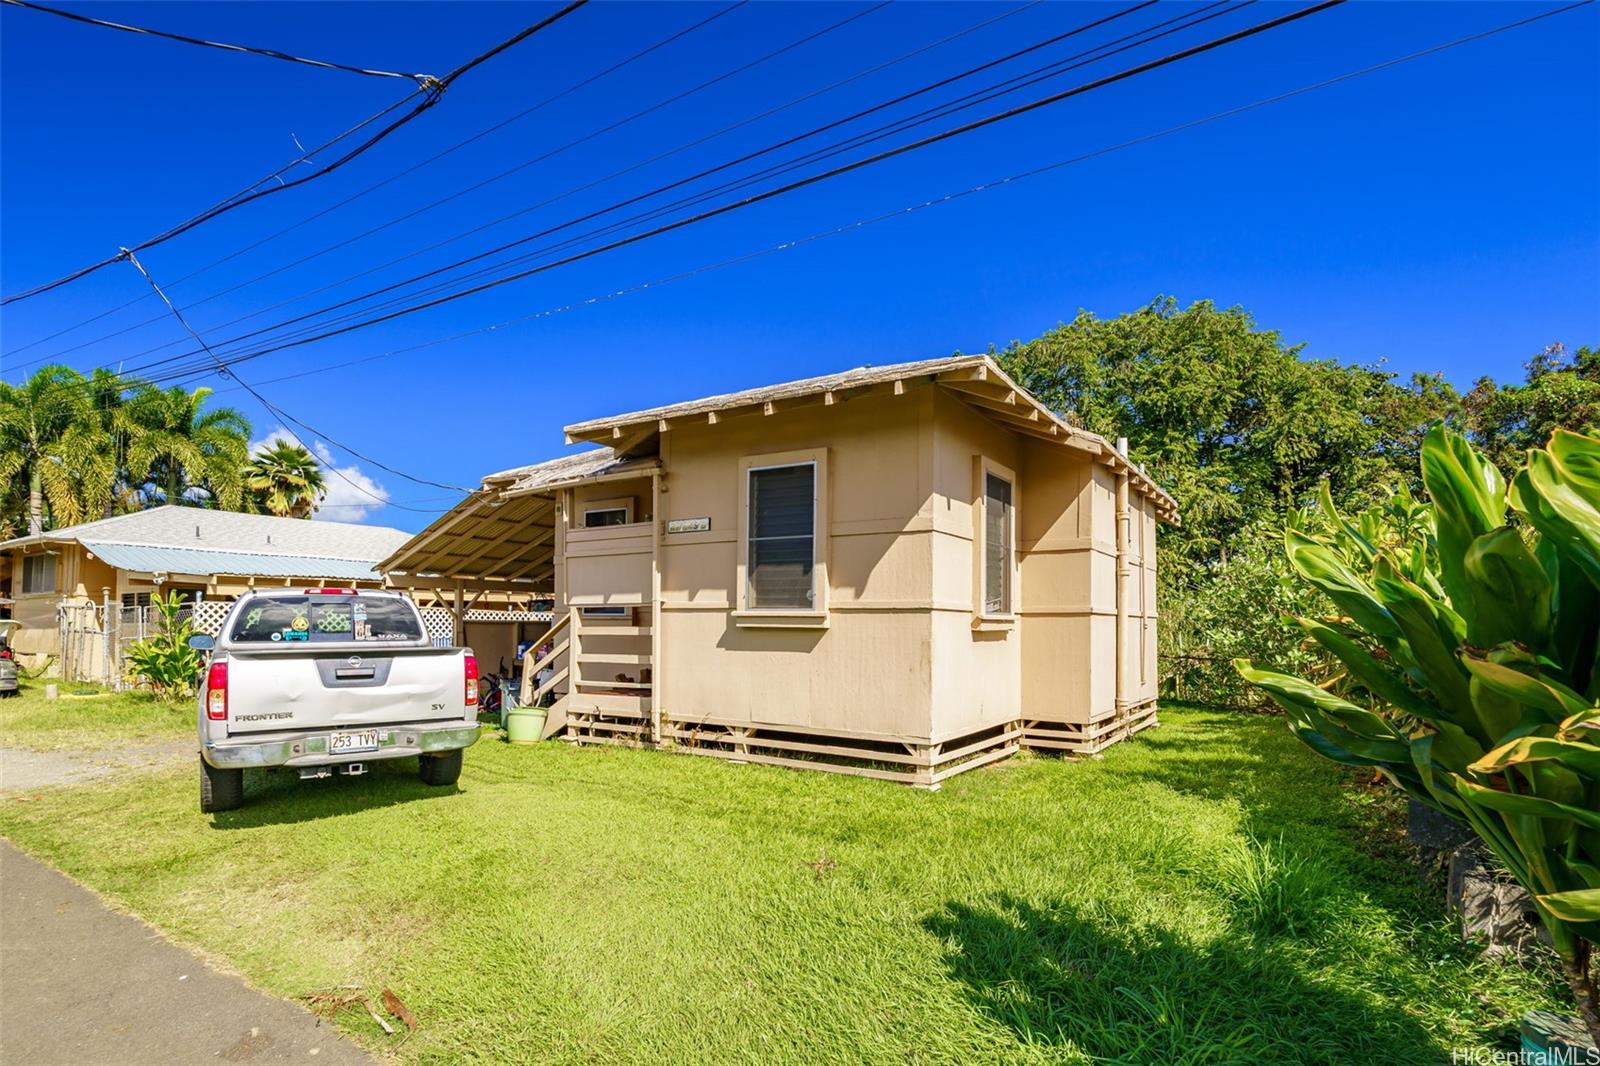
x: 349, y: 769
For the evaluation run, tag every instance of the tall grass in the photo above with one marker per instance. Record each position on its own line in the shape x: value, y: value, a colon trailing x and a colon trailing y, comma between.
x: 1274, y: 888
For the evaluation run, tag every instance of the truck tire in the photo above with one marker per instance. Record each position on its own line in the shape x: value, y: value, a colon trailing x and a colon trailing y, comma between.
x: 220, y: 790
x: 442, y: 769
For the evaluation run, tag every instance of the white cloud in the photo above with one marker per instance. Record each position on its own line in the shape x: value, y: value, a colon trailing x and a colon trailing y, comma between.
x: 349, y: 495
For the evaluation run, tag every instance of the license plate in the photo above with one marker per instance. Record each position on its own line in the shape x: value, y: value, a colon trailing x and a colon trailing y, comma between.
x: 349, y: 743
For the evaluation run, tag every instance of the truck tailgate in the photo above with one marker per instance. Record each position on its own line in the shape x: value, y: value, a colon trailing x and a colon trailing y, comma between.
x: 299, y: 689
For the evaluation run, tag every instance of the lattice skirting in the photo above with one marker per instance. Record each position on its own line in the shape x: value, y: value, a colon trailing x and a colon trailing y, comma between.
x: 621, y: 720
x: 1087, y: 739
x: 909, y: 762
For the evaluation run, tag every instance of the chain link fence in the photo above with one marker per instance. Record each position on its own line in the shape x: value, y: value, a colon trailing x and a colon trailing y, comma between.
x: 94, y: 638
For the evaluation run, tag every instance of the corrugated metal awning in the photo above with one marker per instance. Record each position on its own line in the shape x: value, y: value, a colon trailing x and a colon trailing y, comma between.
x: 150, y: 558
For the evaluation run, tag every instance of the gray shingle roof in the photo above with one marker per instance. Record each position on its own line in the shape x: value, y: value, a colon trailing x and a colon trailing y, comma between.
x: 229, y: 531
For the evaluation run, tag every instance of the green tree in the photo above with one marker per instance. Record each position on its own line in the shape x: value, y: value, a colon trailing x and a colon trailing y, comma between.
x: 286, y: 480
x: 1228, y: 417
x: 52, y: 440
x: 176, y: 446
x: 1558, y: 392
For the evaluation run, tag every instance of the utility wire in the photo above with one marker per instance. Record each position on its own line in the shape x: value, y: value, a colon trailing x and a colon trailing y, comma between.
x: 496, y: 127
x: 1013, y: 84
x: 903, y: 212
x: 951, y: 197
x: 431, y: 95
x: 267, y: 52
x: 972, y: 99
x: 223, y: 369
x: 974, y: 27
x: 743, y: 67
x: 726, y: 208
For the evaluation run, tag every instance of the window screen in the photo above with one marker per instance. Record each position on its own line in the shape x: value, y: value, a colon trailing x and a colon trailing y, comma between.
x: 39, y: 573
x: 996, y: 545
x: 782, y: 536
x: 605, y: 516
x: 326, y: 619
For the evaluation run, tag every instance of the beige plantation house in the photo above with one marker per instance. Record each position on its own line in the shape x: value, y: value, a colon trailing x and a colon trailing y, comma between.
x: 900, y: 571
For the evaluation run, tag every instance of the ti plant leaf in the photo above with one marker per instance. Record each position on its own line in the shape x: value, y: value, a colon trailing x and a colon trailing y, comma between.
x: 1477, y: 647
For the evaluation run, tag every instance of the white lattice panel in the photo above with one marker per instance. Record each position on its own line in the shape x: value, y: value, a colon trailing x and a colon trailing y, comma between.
x: 508, y: 616
x: 440, y: 624
x: 208, y: 615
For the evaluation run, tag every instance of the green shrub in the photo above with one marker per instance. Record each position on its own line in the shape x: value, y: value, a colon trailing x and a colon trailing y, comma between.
x: 1469, y: 634
x: 165, y: 661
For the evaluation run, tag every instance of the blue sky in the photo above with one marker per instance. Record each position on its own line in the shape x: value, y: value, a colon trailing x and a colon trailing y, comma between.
x: 1441, y: 215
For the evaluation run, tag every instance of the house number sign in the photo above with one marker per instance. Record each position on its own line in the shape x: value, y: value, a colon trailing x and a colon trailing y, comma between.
x: 689, y: 525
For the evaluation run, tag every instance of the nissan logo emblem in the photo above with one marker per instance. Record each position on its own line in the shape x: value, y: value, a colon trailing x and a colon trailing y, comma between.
x: 354, y: 660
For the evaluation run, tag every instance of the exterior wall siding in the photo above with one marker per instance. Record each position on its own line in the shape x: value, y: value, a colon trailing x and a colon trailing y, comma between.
x: 901, y: 651
x: 977, y: 673
x: 870, y: 670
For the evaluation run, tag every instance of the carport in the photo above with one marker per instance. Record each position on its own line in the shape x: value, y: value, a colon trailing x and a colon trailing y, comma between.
x: 487, y: 567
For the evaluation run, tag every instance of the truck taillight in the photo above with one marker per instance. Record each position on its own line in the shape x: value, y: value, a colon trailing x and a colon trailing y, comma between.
x: 470, y: 663
x: 217, y: 692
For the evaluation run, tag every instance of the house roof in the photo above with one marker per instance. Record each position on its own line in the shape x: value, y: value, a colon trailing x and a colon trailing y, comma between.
x: 976, y: 379
x: 502, y: 536
x: 147, y: 558
x: 195, y: 540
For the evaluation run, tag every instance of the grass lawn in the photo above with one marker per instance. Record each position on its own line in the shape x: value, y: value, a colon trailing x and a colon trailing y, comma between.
x: 600, y: 905
x: 89, y: 722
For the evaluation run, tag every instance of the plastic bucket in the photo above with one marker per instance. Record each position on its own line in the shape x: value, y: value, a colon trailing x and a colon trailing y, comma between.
x: 524, y: 724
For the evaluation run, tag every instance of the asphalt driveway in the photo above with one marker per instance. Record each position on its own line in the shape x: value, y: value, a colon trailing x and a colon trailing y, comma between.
x: 81, y: 985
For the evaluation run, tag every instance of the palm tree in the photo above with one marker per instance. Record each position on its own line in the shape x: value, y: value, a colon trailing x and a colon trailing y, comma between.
x: 52, y: 439
x: 175, y: 446
x: 286, y: 480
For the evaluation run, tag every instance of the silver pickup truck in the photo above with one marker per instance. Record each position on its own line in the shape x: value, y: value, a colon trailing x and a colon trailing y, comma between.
x: 325, y: 681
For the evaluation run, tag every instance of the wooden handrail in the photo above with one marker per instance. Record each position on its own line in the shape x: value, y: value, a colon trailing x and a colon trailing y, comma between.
x: 555, y: 679
x: 532, y: 666
x: 557, y: 650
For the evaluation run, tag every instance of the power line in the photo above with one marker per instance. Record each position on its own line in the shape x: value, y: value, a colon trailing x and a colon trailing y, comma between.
x: 524, y: 113
x: 272, y: 408
x: 571, y: 191
x: 951, y: 197
x: 741, y: 68
x: 267, y: 52
x: 726, y: 208
x: 981, y: 96
x: 431, y: 95
x: 991, y: 92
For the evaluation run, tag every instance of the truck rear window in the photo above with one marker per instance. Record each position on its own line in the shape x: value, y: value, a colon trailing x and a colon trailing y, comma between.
x: 326, y: 619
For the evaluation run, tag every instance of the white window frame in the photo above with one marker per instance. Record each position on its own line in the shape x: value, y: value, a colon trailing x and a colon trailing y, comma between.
x: 983, y: 468
x: 816, y: 614
x: 55, y: 574
x: 617, y: 503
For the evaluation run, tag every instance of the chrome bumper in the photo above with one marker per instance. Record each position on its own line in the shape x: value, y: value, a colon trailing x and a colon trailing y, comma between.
x: 311, y: 749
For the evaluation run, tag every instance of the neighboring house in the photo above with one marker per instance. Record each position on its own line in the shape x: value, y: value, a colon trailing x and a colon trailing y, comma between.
x: 900, y: 571
x: 195, y: 552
